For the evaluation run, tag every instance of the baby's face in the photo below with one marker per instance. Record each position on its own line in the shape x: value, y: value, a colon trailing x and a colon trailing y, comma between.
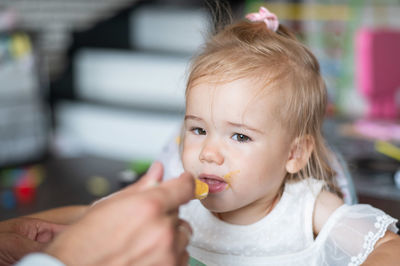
x: 233, y: 142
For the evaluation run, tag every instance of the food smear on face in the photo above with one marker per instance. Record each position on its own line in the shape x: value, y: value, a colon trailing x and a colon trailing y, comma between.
x: 201, y: 190
x: 228, y: 176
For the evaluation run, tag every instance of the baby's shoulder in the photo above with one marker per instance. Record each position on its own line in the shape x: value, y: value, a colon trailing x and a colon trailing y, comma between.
x: 325, y: 204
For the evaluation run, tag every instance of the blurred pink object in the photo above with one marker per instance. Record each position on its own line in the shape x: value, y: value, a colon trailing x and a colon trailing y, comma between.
x: 378, y: 71
x: 382, y: 130
x: 269, y: 18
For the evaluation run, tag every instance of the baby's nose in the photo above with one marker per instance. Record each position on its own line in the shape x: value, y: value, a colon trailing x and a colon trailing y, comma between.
x: 211, y: 154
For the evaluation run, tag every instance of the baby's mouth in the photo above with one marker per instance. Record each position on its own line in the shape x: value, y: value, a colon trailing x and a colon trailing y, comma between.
x: 215, y: 183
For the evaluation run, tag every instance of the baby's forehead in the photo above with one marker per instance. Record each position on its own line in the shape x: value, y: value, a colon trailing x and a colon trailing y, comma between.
x: 253, y: 88
x: 267, y: 98
x: 244, y: 95
x: 260, y: 83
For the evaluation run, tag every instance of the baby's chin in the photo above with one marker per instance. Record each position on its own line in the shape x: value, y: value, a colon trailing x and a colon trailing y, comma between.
x: 217, y: 205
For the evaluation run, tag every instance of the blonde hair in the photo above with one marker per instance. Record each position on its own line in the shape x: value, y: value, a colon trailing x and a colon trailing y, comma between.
x: 250, y: 50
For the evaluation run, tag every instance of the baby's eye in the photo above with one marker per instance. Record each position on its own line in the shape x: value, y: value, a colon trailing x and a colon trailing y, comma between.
x: 198, y: 131
x: 241, y: 137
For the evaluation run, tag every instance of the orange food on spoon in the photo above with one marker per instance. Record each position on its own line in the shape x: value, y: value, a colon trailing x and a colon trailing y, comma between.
x: 201, y: 190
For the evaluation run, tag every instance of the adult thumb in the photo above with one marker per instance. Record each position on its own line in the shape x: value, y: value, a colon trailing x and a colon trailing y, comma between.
x: 152, y: 177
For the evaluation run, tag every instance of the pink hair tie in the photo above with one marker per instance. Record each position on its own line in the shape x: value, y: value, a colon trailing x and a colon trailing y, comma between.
x: 270, y: 19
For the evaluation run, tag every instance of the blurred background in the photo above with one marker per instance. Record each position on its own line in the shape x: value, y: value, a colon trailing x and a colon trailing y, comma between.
x: 92, y: 90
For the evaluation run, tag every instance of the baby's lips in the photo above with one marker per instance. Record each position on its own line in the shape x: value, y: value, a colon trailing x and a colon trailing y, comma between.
x: 201, y: 189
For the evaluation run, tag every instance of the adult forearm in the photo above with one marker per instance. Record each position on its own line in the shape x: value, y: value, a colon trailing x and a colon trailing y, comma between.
x: 61, y: 215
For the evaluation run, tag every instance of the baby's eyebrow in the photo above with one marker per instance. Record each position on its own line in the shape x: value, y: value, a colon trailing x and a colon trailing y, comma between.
x: 245, y: 127
x: 193, y: 117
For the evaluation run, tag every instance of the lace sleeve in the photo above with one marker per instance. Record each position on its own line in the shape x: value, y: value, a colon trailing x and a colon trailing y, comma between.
x: 352, y: 232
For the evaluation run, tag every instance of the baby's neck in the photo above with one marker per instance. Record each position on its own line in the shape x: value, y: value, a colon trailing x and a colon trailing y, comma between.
x: 249, y: 214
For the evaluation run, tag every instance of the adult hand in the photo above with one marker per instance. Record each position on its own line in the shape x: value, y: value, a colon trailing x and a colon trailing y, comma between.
x: 23, y: 235
x: 136, y: 226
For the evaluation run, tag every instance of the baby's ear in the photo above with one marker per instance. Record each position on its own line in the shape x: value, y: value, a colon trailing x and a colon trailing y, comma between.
x: 300, y: 153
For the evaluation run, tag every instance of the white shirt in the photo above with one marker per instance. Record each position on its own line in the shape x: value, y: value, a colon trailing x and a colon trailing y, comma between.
x: 285, y: 235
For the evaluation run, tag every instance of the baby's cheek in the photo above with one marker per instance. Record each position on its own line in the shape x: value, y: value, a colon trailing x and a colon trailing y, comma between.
x: 188, y: 159
x: 236, y: 187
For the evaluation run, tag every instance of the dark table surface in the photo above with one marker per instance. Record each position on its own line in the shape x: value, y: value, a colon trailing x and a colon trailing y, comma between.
x: 66, y: 183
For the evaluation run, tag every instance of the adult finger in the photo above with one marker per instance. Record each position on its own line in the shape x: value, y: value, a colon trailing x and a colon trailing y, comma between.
x: 184, y: 234
x: 184, y: 258
x: 152, y: 177
x: 172, y: 193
